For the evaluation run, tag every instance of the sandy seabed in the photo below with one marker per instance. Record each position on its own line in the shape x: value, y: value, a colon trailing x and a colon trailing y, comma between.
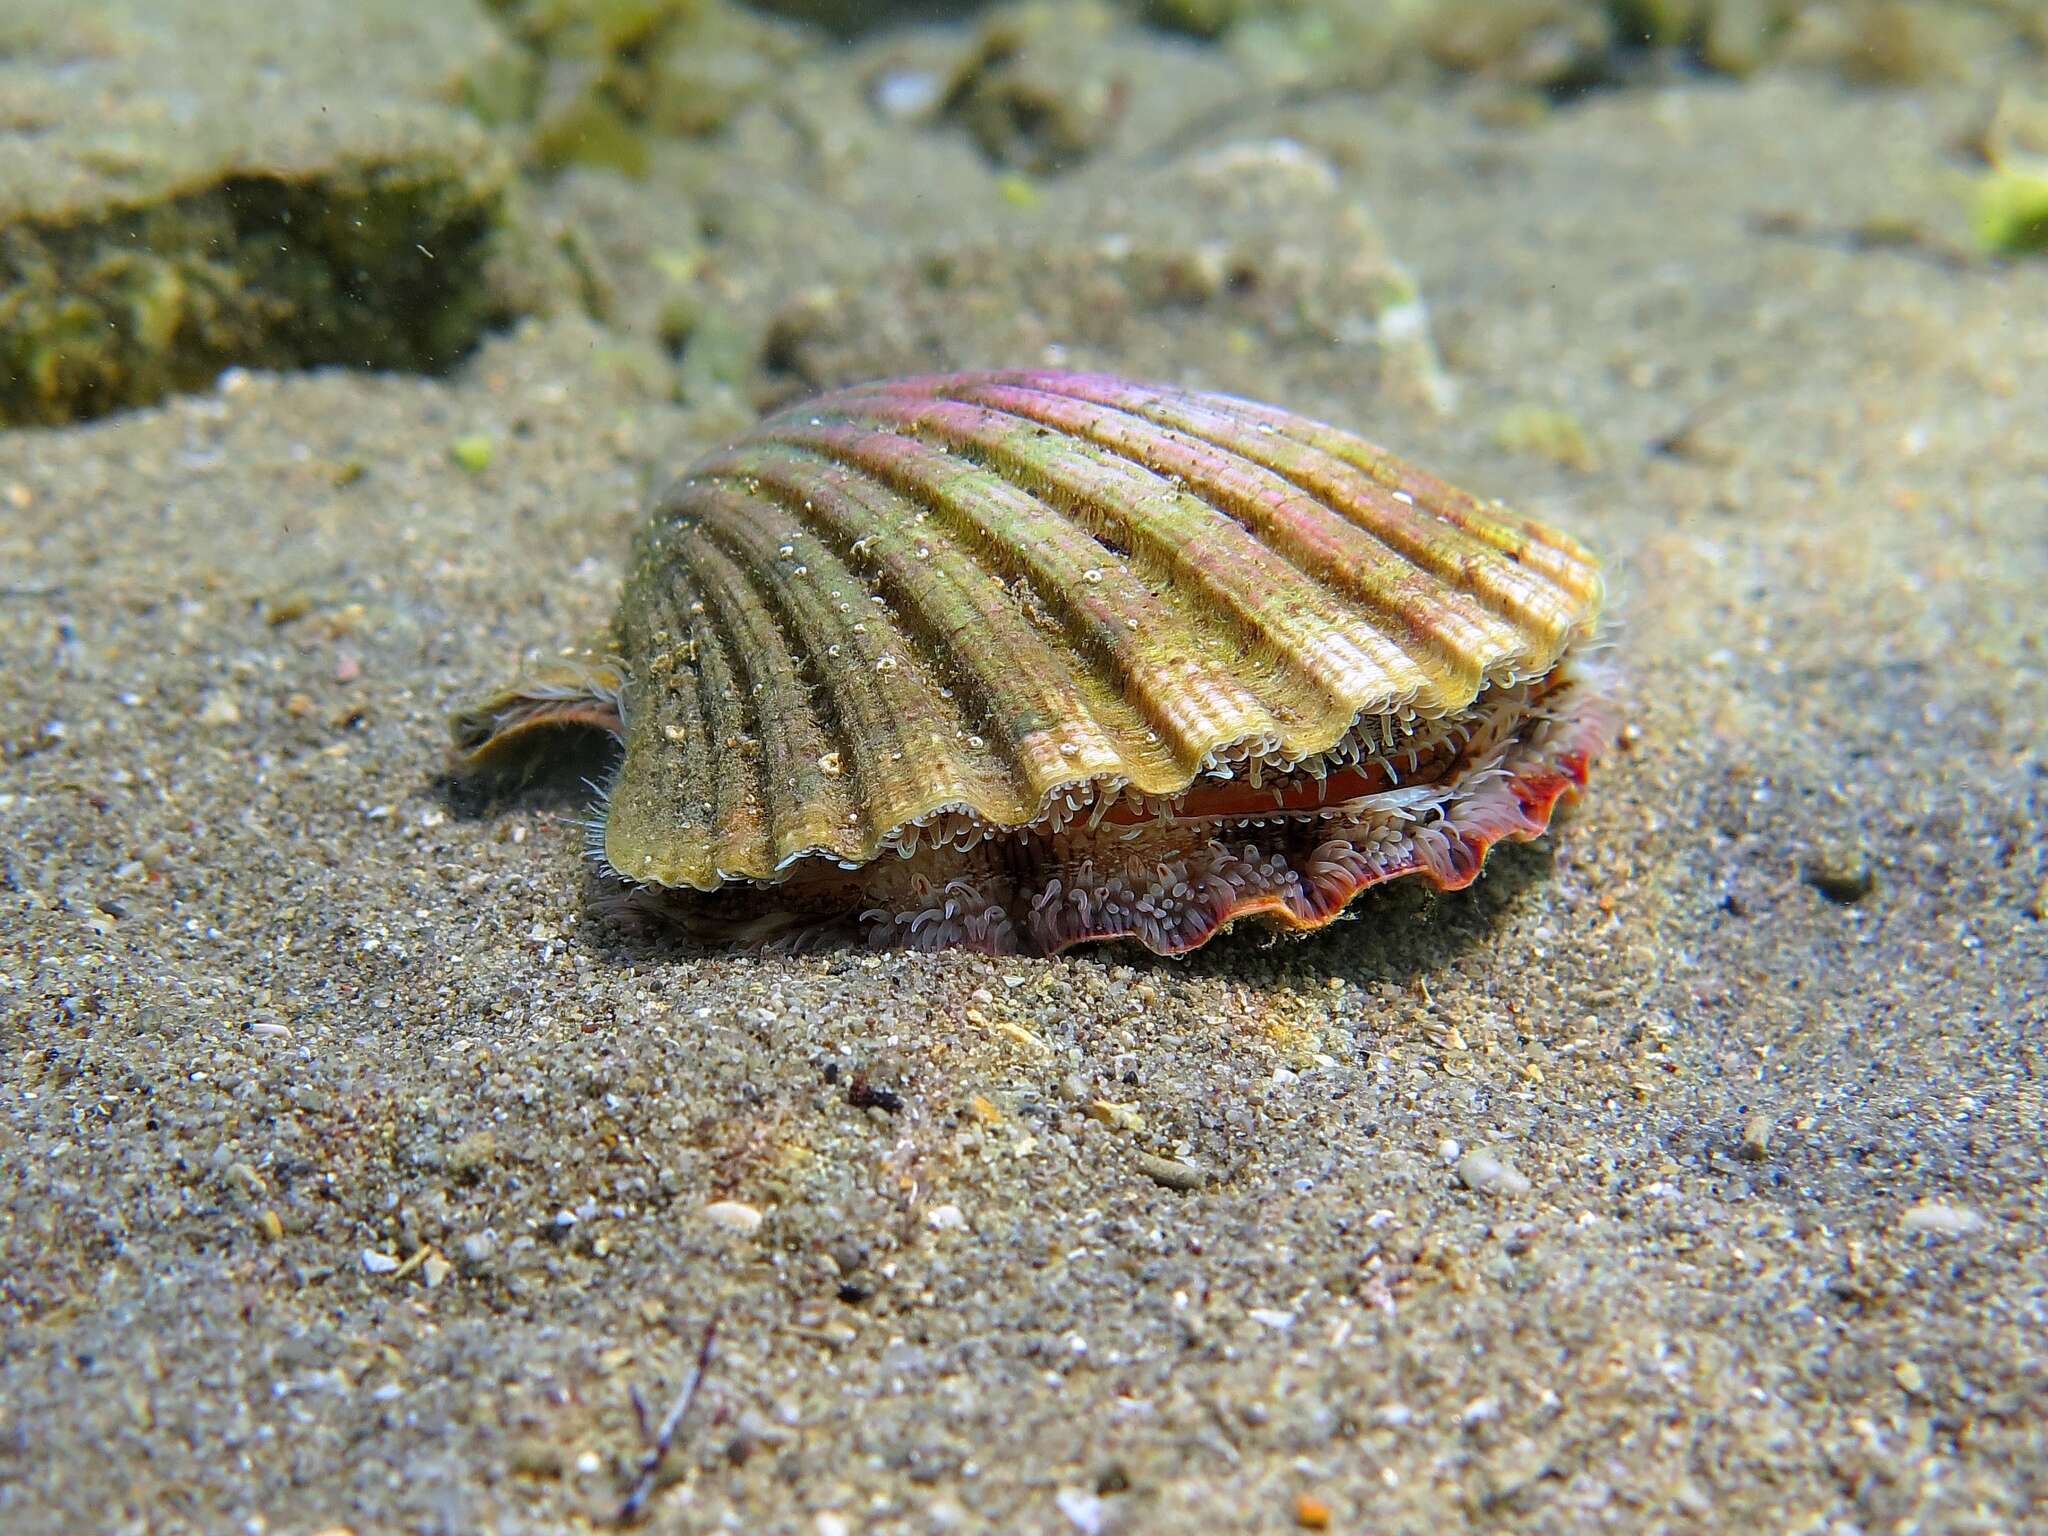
x: 356, y: 1178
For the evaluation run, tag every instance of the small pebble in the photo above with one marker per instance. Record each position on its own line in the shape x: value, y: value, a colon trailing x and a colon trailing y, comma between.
x: 902, y: 94
x: 218, y: 708
x: 1756, y: 1137
x: 1311, y: 1513
x: 1909, y: 1377
x: 1118, y: 1117
x: 434, y: 1271
x: 1930, y: 1218
x: 1018, y: 191
x: 537, y: 1458
x: 378, y: 1263
x: 246, y: 1179
x: 946, y: 1218
x: 473, y: 453
x: 286, y: 607
x: 1083, y: 1510
x: 1486, y: 1174
x: 472, y: 1152
x: 1172, y: 1172
x: 734, y: 1216
x: 1841, y: 872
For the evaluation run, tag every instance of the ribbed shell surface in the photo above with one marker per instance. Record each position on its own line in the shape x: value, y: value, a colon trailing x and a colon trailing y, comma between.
x: 969, y: 591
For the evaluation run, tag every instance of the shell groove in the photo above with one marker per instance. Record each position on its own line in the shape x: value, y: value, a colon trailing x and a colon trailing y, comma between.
x: 943, y: 608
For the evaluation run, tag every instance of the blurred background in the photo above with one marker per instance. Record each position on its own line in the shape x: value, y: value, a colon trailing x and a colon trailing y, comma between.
x: 734, y: 193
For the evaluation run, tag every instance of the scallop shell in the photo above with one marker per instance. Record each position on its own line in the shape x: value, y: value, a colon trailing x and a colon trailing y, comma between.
x: 1020, y: 659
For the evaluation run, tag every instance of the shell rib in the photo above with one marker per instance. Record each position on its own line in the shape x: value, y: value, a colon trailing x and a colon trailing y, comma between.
x: 963, y: 607
x: 973, y: 591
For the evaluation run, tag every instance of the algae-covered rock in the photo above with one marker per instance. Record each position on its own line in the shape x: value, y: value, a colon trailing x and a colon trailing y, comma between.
x: 1553, y: 45
x: 1037, y: 91
x: 211, y: 183
x: 857, y: 18
x: 381, y: 261
x: 1245, y: 252
x: 1733, y: 37
x: 1562, y: 45
x: 1529, y: 42
x: 1205, y: 18
x: 1737, y: 37
x: 613, y: 75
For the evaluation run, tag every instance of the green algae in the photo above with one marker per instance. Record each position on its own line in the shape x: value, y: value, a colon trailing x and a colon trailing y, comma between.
x: 472, y: 452
x: 2011, y: 213
x: 1545, y: 432
x: 589, y: 130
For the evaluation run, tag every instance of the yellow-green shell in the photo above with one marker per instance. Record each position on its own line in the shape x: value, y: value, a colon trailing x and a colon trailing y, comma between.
x: 967, y: 592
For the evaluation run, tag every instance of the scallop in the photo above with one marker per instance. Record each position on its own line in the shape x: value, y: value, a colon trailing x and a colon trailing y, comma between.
x: 1019, y: 660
